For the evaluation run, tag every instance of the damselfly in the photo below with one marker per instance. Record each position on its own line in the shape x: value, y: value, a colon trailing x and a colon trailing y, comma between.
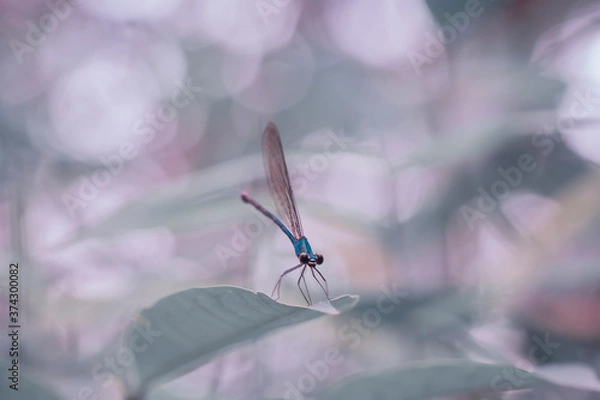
x: 283, y: 196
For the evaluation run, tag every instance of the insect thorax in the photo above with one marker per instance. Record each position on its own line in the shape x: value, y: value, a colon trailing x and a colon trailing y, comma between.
x: 303, y: 246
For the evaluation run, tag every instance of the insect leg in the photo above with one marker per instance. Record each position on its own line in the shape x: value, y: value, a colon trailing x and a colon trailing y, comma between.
x: 278, y: 284
x: 326, y: 287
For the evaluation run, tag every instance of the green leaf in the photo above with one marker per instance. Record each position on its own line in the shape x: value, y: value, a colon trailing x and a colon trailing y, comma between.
x: 426, y: 381
x: 185, y: 330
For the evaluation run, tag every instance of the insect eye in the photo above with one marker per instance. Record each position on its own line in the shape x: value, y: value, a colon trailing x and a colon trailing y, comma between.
x: 303, y: 257
x: 320, y: 259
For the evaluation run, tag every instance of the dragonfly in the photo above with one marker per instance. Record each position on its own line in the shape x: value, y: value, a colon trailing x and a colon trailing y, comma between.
x: 285, y: 203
